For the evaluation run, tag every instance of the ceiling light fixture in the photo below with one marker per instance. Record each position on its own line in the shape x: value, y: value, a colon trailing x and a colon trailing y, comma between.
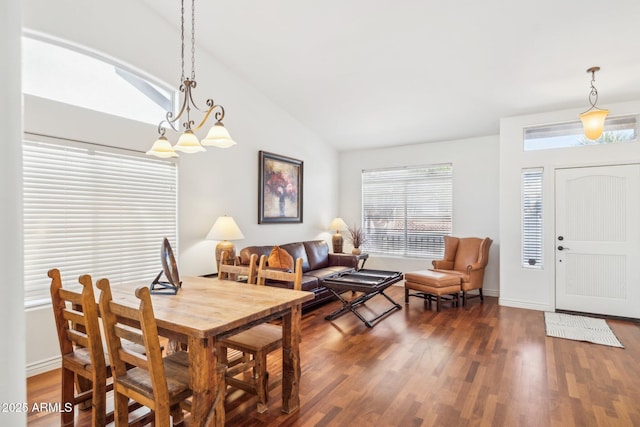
x: 593, y: 118
x: 218, y: 136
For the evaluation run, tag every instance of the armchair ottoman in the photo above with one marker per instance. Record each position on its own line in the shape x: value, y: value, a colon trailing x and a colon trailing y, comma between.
x: 431, y: 285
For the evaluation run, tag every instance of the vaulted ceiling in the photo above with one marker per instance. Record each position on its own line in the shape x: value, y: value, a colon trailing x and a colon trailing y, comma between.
x: 362, y: 73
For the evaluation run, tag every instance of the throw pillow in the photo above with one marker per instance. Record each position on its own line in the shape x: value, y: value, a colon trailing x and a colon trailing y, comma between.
x: 279, y: 258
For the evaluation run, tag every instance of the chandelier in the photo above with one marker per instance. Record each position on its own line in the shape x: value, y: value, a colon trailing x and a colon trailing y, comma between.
x: 218, y: 136
x: 593, y: 118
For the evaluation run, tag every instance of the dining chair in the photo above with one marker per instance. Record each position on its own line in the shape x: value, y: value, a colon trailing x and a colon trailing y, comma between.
x: 161, y: 384
x: 85, y: 365
x: 233, y: 272
x: 258, y: 341
x: 83, y: 359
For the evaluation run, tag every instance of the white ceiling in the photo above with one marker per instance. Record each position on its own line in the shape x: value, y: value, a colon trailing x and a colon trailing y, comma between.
x: 366, y: 73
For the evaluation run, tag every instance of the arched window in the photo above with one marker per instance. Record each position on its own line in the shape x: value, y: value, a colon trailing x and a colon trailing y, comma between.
x: 87, y: 80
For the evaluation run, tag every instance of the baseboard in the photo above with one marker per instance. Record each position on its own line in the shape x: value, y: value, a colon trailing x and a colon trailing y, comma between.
x: 43, y: 366
x: 524, y: 304
x: 486, y: 292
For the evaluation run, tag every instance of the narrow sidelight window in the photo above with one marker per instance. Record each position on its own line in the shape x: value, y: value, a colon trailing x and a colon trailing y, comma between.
x: 532, y: 218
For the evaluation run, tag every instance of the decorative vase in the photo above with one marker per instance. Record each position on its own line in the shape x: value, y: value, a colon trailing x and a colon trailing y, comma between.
x: 356, y: 251
x: 281, y: 205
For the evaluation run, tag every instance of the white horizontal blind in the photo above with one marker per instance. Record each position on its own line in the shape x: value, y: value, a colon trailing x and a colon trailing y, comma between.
x: 532, y: 218
x: 91, y: 211
x: 407, y: 211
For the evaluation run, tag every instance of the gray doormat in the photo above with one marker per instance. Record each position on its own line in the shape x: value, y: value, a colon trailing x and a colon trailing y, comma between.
x: 580, y: 328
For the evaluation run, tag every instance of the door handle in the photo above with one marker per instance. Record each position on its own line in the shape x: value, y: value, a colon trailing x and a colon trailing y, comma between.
x: 563, y: 248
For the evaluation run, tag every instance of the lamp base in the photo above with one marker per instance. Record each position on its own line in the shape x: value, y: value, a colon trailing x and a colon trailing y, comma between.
x: 337, y: 241
x: 229, y: 248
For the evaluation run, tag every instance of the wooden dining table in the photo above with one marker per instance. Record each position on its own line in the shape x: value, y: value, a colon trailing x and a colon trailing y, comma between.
x: 207, y: 309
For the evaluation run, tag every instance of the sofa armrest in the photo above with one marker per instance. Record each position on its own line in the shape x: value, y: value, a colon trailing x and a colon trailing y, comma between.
x: 344, y: 260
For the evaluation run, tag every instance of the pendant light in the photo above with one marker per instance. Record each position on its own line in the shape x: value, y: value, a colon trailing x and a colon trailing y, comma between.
x: 188, y: 142
x: 593, y: 118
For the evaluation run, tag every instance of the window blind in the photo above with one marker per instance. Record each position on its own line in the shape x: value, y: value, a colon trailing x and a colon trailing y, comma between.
x: 407, y: 211
x: 89, y: 210
x: 532, y: 218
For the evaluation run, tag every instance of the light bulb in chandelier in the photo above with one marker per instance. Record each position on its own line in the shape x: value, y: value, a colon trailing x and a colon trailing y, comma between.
x: 162, y: 148
x: 188, y: 143
x: 218, y: 136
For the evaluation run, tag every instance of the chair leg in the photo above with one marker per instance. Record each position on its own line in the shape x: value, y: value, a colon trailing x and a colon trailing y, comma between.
x: 406, y: 296
x: 481, y: 296
x: 438, y: 300
x: 99, y: 404
x: 67, y: 418
x: 177, y: 416
x: 464, y: 298
x: 121, y: 410
x: 262, y: 381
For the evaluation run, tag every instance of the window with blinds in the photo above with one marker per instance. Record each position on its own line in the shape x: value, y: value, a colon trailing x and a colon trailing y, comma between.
x: 93, y: 210
x: 407, y: 211
x: 532, y: 218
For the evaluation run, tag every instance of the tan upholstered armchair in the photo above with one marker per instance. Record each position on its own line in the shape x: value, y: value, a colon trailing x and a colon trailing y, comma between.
x: 466, y: 257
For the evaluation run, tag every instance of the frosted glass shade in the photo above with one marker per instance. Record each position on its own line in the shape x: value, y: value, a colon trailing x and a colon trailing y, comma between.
x: 162, y: 148
x: 218, y: 136
x: 593, y: 122
x: 188, y: 143
x: 225, y: 228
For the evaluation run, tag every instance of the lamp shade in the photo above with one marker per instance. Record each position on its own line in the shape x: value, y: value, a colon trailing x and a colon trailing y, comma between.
x: 188, y: 143
x: 338, y: 224
x: 218, y: 136
x: 162, y: 148
x: 593, y: 122
x: 225, y: 228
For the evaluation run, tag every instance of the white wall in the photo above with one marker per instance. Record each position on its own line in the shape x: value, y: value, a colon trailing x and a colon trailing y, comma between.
x: 475, y: 193
x: 530, y: 288
x: 12, y: 332
x: 211, y: 184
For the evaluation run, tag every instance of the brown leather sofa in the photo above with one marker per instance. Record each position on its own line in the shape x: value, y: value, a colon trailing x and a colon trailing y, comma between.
x: 317, y: 264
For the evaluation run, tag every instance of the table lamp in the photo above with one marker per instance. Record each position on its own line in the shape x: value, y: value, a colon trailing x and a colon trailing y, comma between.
x: 225, y: 229
x: 337, y: 224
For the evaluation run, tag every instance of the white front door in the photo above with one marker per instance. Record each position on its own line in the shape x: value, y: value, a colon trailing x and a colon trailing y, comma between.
x: 598, y: 240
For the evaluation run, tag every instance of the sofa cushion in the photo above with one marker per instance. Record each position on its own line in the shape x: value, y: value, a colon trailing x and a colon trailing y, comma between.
x: 245, y: 253
x: 309, y: 284
x: 318, y: 254
x: 279, y: 258
x: 296, y: 250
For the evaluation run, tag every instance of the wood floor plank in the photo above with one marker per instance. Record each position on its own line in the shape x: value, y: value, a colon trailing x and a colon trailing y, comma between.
x: 481, y: 365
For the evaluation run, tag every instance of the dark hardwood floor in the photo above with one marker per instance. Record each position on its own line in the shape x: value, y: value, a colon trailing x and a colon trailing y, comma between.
x: 479, y: 365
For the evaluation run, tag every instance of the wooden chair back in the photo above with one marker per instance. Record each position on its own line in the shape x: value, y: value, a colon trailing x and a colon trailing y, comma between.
x: 279, y: 275
x: 76, y: 316
x: 230, y: 272
x: 83, y: 358
x: 147, y: 381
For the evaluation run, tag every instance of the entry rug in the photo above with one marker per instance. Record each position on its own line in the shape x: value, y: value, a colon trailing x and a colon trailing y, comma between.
x: 580, y: 328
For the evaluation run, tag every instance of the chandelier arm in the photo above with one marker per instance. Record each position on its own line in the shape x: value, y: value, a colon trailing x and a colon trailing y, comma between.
x: 218, y: 114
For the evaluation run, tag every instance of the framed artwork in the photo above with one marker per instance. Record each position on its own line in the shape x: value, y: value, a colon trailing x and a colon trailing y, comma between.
x: 279, y: 189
